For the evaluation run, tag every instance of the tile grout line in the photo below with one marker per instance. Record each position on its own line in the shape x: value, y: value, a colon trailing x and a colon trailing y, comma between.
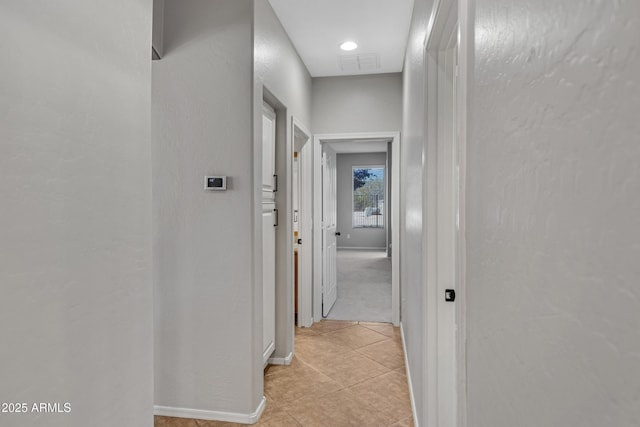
x: 343, y: 386
x: 368, y: 357
x: 384, y: 338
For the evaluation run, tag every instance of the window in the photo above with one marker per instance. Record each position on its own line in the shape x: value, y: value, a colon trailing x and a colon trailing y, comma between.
x: 368, y: 197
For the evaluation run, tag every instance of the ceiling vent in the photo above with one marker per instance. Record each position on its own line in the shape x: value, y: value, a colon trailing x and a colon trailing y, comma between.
x: 359, y: 63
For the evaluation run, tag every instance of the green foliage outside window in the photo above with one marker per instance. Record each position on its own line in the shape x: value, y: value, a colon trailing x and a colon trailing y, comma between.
x: 368, y: 197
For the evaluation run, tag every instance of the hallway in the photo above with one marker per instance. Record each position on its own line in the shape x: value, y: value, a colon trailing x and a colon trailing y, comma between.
x: 137, y: 244
x: 343, y: 373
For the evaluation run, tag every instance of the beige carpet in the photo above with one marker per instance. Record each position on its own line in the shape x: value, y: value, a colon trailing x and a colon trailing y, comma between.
x: 364, y: 286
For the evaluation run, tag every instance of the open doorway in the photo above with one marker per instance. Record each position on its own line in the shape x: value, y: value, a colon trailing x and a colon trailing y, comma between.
x: 302, y: 222
x: 363, y: 267
x: 333, y: 145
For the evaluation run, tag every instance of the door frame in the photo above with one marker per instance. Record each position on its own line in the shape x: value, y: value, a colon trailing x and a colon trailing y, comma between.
x: 284, y: 332
x: 449, y: 17
x: 316, y: 291
x: 305, y: 250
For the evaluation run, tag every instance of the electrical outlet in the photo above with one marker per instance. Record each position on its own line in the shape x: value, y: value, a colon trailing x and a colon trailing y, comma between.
x: 348, y: 236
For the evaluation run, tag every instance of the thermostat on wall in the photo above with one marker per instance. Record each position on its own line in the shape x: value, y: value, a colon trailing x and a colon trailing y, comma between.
x: 215, y: 183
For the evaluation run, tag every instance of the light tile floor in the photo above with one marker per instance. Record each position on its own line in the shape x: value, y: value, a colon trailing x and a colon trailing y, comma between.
x: 343, y: 374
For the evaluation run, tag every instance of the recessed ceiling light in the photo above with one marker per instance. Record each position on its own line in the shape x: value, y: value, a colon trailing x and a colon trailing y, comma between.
x: 348, y: 45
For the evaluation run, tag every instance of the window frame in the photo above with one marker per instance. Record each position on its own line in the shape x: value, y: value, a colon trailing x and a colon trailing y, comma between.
x: 384, y: 193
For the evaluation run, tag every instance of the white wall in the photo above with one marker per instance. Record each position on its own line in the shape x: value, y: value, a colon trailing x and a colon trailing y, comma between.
x: 75, y: 240
x: 349, y: 236
x: 553, y: 224
x: 413, y: 255
x: 278, y: 66
x: 279, y: 70
x: 206, y: 340
x: 370, y: 103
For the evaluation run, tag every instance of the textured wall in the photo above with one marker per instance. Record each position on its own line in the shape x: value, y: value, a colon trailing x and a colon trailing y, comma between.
x: 412, y: 254
x: 358, y: 237
x: 75, y: 239
x: 203, y: 241
x: 280, y: 71
x: 553, y: 223
x: 278, y: 66
x: 371, y: 103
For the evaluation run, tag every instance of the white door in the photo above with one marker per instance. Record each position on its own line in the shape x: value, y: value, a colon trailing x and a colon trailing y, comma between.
x: 269, y: 180
x: 269, y: 221
x: 329, y: 244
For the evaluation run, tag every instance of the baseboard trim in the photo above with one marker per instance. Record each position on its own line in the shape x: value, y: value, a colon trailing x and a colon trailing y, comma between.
x: 282, y: 360
x: 268, y: 352
x: 406, y: 364
x: 233, y: 417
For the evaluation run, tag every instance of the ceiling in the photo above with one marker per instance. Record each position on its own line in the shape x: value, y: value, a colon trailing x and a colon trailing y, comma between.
x: 318, y: 27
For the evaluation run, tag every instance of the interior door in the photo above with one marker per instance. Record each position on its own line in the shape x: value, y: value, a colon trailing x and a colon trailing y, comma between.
x: 269, y: 221
x: 329, y: 245
x: 269, y: 180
